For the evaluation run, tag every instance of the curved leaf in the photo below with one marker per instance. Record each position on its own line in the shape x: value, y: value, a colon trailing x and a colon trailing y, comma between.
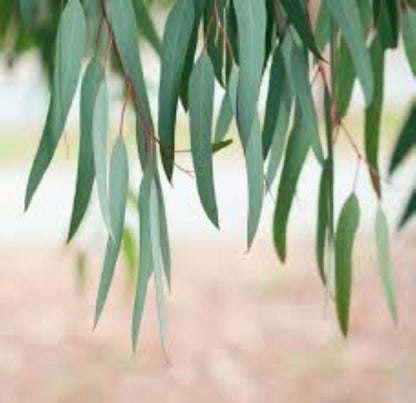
x: 410, y: 210
x: 69, y: 52
x: 176, y: 37
x: 373, y: 116
x: 296, y: 152
x: 384, y: 261
x: 119, y: 181
x: 347, y: 16
x: 99, y: 141
x: 201, y: 97
x: 224, y: 120
x: 344, y: 241
x: 85, y: 175
x: 251, y: 23
x: 409, y: 36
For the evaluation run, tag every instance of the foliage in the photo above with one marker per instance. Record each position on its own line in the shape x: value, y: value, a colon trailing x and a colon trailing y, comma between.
x: 238, y: 39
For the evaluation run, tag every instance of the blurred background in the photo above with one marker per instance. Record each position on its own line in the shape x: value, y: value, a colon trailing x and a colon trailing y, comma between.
x: 242, y: 327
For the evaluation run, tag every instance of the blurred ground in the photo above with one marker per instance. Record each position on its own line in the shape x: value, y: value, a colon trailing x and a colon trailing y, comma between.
x: 241, y: 329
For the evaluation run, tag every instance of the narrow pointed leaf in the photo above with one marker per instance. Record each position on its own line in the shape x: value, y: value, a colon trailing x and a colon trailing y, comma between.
x: 146, y: 26
x: 85, y: 175
x: 119, y: 181
x: 384, y: 261
x: 123, y: 24
x: 300, y: 80
x: 100, y: 144
x: 406, y: 141
x: 157, y: 262
x: 344, y: 241
x: 224, y: 120
x: 69, y: 52
x: 297, y: 13
x: 251, y: 23
x: 176, y: 37
x: 221, y: 145
x: 410, y: 210
x: 347, y: 16
x: 296, y: 152
x: 145, y: 258
x: 255, y: 180
x: 201, y: 96
x: 373, y: 116
x: 409, y: 36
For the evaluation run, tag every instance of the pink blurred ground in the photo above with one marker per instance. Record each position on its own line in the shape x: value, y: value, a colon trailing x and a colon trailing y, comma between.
x: 241, y: 329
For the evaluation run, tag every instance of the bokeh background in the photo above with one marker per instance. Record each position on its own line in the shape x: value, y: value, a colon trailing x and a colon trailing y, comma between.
x: 242, y: 327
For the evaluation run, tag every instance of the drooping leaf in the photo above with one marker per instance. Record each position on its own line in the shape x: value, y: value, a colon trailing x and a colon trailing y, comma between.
x: 146, y: 26
x: 384, y: 261
x: 297, y: 13
x: 69, y: 52
x: 176, y: 37
x: 406, y: 141
x: 220, y: 145
x: 157, y: 263
x: 410, y: 210
x: 85, y: 175
x: 225, y: 117
x: 297, y: 66
x: 386, y: 16
x: 344, y: 241
x: 255, y: 181
x: 122, y: 19
x: 201, y: 96
x: 347, y: 16
x: 145, y: 258
x: 323, y: 217
x: 296, y: 152
x: 251, y: 22
x: 373, y: 115
x: 129, y: 253
x: 164, y: 233
x: 323, y: 27
x: 276, y: 93
x: 409, y: 36
x: 119, y: 181
x: 100, y: 144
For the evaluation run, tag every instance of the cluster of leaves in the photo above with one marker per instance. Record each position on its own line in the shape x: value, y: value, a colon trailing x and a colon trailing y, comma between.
x: 238, y: 39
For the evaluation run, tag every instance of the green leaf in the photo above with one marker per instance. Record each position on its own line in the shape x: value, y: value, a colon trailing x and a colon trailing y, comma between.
x: 69, y: 52
x: 344, y: 241
x: 300, y: 80
x: 26, y: 10
x: 156, y: 257
x: 347, y: 16
x: 129, y: 252
x: 345, y: 78
x: 409, y: 36
x: 384, y: 261
x: 298, y: 15
x: 146, y: 26
x: 279, y: 138
x: 323, y: 27
x: 176, y: 37
x: 323, y: 217
x: 224, y: 120
x: 123, y: 24
x: 99, y: 142
x: 296, y: 152
x: 410, y: 210
x: 251, y: 23
x: 275, y: 96
x: 406, y: 141
x: 85, y: 175
x: 201, y: 97
x: 255, y: 179
x: 220, y: 145
x: 145, y: 258
x: 119, y: 181
x: 164, y: 234
x: 386, y: 15
x: 373, y: 116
